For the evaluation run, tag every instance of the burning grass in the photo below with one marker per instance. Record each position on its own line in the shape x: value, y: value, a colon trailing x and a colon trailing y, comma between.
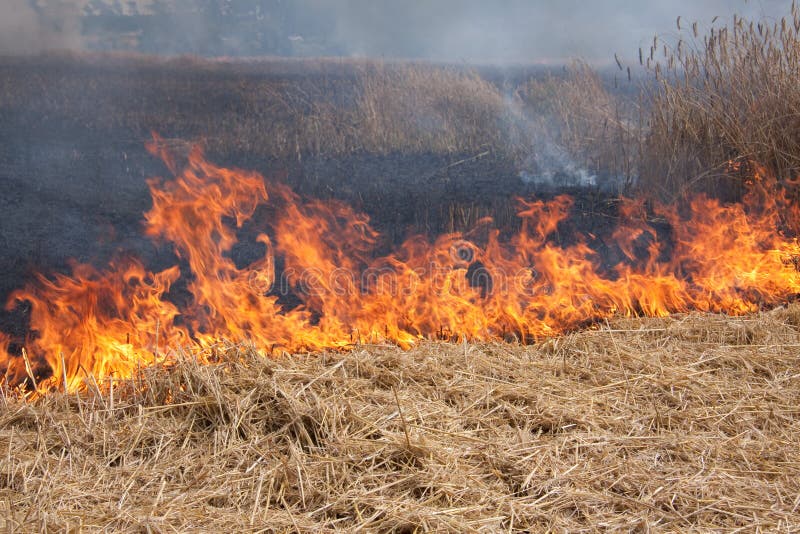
x: 319, y: 280
x: 681, y: 423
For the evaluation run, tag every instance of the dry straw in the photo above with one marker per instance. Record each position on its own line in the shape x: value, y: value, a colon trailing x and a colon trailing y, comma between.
x: 678, y: 424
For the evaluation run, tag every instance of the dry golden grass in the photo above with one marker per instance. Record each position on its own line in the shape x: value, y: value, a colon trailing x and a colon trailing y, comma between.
x: 678, y: 424
x: 727, y: 92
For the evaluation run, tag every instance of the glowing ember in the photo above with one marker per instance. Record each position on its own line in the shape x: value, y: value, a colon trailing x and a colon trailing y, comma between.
x: 725, y: 258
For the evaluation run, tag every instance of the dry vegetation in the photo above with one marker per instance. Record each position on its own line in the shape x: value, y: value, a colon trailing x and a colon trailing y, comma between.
x: 275, y: 110
x: 728, y: 93
x: 601, y: 130
x: 679, y: 424
x: 714, y: 97
x: 432, y: 109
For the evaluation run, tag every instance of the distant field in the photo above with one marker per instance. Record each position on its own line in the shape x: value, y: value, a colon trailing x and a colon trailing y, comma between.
x: 271, y: 109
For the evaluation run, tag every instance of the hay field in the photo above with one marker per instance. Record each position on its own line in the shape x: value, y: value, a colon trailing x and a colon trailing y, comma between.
x: 669, y: 425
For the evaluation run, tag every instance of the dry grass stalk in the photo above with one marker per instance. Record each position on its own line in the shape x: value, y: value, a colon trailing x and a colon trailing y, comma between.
x: 730, y: 97
x: 677, y: 424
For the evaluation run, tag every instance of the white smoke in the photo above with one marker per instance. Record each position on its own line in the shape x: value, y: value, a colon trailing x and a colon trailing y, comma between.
x: 556, y: 168
x: 34, y: 26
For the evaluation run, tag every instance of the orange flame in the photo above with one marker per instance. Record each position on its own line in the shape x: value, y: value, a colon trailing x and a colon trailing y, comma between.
x: 731, y: 258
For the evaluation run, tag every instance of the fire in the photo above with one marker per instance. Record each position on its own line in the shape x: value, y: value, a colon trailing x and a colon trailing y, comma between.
x: 320, y: 282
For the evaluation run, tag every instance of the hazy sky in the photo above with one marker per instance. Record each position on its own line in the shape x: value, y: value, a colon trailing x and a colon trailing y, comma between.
x: 451, y: 30
x: 524, y: 30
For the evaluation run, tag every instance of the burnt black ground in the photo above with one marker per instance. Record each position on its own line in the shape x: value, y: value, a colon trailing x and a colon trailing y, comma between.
x: 74, y: 184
